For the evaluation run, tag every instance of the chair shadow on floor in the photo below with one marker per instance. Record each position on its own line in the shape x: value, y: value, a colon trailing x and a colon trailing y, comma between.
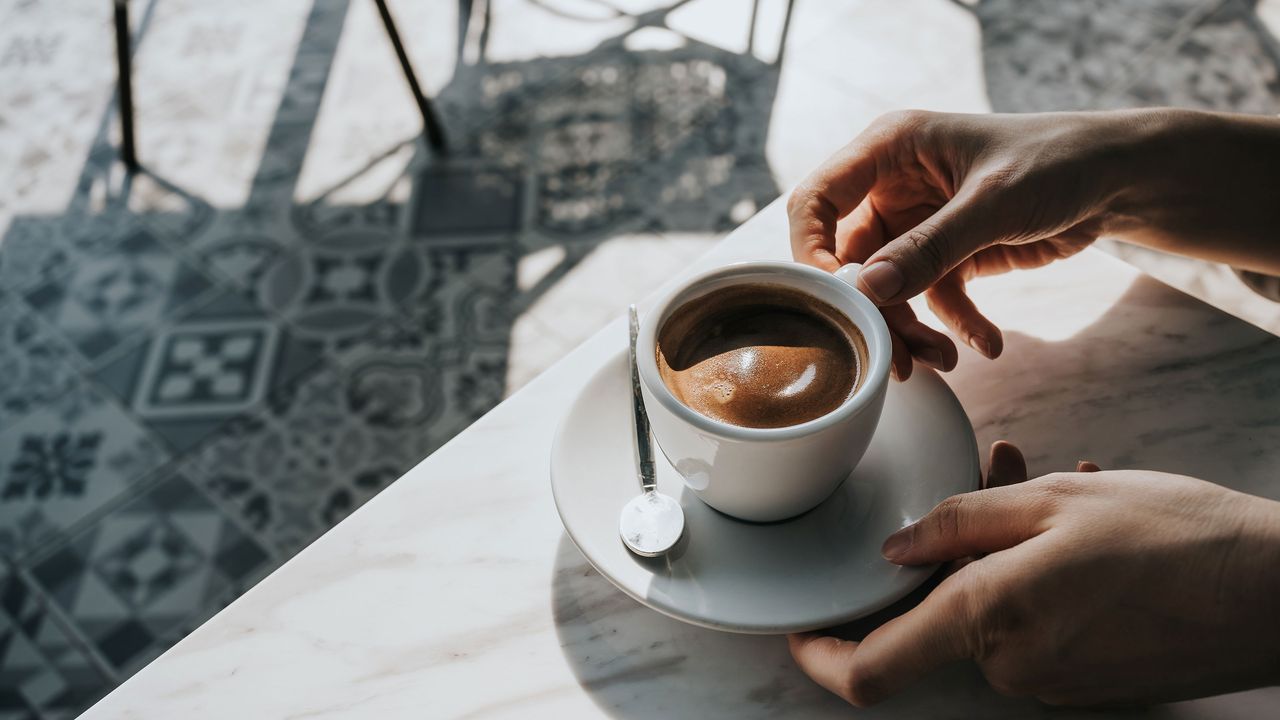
x: 272, y: 366
x: 1042, y: 55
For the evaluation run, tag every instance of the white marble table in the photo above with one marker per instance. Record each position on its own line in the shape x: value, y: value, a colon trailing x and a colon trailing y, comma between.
x: 455, y: 593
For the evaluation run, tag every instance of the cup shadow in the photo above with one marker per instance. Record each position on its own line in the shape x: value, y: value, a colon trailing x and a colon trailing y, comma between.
x: 1111, y: 393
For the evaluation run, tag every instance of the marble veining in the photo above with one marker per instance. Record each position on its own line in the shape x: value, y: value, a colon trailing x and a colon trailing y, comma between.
x: 456, y: 594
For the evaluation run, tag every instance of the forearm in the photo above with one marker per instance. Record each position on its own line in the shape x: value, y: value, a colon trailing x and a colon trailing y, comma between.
x: 1206, y: 185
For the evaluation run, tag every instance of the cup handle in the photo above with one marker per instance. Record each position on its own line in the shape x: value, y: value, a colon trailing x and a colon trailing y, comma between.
x: 849, y: 273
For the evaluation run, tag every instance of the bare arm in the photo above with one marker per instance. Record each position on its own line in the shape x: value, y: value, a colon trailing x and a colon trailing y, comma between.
x: 928, y: 201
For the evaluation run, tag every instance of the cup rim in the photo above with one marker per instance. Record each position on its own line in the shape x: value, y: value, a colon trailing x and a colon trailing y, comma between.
x: 879, y: 354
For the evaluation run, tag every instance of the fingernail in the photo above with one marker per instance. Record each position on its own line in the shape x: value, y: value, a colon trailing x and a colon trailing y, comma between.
x: 980, y: 344
x: 882, y: 280
x: 932, y: 358
x: 898, y: 543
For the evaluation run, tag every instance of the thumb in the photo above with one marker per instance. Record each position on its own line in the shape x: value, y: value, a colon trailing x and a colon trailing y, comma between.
x: 983, y: 521
x: 911, y: 263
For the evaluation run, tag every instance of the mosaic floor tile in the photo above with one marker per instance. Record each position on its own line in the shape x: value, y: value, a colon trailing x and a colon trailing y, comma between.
x: 339, y: 290
x: 61, y: 462
x: 44, y: 672
x: 107, y: 299
x: 1227, y: 62
x: 312, y: 458
x: 220, y: 360
x: 148, y: 567
x: 37, y: 368
x: 1043, y: 55
x: 39, y: 249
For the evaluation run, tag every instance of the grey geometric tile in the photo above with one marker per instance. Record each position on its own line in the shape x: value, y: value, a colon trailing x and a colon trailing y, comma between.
x: 222, y: 359
x: 39, y: 249
x: 466, y: 304
x: 241, y: 258
x: 1041, y: 55
x: 296, y: 470
x: 36, y: 367
x: 34, y: 250
x: 148, y: 569
x: 338, y: 288
x: 60, y: 462
x: 44, y: 671
x: 1229, y: 62
x: 111, y: 297
x: 597, y: 144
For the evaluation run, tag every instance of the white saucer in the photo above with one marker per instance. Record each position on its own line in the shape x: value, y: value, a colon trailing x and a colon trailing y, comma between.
x: 820, y: 569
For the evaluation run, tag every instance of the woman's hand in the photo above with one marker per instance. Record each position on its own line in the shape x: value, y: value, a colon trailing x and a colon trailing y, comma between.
x: 1089, y: 588
x: 928, y: 201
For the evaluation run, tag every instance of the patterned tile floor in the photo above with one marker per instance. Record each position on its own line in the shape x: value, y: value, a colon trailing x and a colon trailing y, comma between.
x: 205, y: 366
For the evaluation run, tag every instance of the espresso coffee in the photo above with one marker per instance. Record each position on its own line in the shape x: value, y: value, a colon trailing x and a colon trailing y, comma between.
x: 760, y: 356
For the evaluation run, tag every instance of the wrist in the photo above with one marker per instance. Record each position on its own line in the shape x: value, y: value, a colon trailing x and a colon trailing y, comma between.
x: 1259, y: 551
x: 1194, y: 183
x: 1144, y: 159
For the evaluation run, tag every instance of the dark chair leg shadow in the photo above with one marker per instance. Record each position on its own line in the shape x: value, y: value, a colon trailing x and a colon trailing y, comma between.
x: 124, y: 65
x: 124, y: 58
x: 430, y: 121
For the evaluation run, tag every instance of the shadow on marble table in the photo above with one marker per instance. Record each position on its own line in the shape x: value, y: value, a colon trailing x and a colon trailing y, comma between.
x: 1116, y: 392
x: 195, y: 392
x: 1110, y: 392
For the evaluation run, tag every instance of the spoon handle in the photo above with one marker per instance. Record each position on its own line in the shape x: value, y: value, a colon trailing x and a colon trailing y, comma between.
x: 644, y: 443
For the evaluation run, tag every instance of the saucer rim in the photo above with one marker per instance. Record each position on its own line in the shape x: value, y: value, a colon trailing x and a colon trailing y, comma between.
x: 919, y: 573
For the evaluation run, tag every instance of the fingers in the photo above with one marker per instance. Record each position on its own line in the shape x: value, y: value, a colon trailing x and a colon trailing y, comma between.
x: 1006, y: 465
x: 828, y: 660
x: 984, y: 521
x: 900, y: 358
x: 828, y: 194
x: 952, y: 305
x: 897, y: 654
x: 909, y: 264
x: 1084, y: 466
x: 923, y: 342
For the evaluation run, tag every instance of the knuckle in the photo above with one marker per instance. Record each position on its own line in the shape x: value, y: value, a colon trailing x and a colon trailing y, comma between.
x: 807, y: 203
x: 1062, y: 486
x: 947, y: 518
x: 984, y: 602
x: 997, y: 180
x: 930, y: 247
x: 863, y: 689
x: 799, y: 199
x: 902, y: 121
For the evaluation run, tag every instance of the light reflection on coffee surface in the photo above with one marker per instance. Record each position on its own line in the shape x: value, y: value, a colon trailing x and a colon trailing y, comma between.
x: 760, y: 356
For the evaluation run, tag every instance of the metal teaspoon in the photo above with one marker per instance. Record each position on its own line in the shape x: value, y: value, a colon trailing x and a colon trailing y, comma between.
x: 651, y: 523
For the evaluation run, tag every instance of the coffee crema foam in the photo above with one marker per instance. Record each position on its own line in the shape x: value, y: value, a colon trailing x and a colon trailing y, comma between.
x: 760, y: 355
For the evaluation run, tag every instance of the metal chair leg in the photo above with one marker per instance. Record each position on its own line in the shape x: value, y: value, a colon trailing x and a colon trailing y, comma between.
x: 430, y: 122
x: 128, y: 150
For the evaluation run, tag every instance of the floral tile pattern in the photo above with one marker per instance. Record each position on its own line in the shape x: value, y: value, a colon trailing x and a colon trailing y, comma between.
x: 209, y: 365
x: 146, y: 570
x: 36, y: 366
x: 110, y: 298
x: 196, y: 382
x: 294, y: 471
x: 62, y: 461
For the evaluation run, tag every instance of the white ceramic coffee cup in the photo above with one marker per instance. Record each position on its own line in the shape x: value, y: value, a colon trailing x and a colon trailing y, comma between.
x: 767, y: 474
